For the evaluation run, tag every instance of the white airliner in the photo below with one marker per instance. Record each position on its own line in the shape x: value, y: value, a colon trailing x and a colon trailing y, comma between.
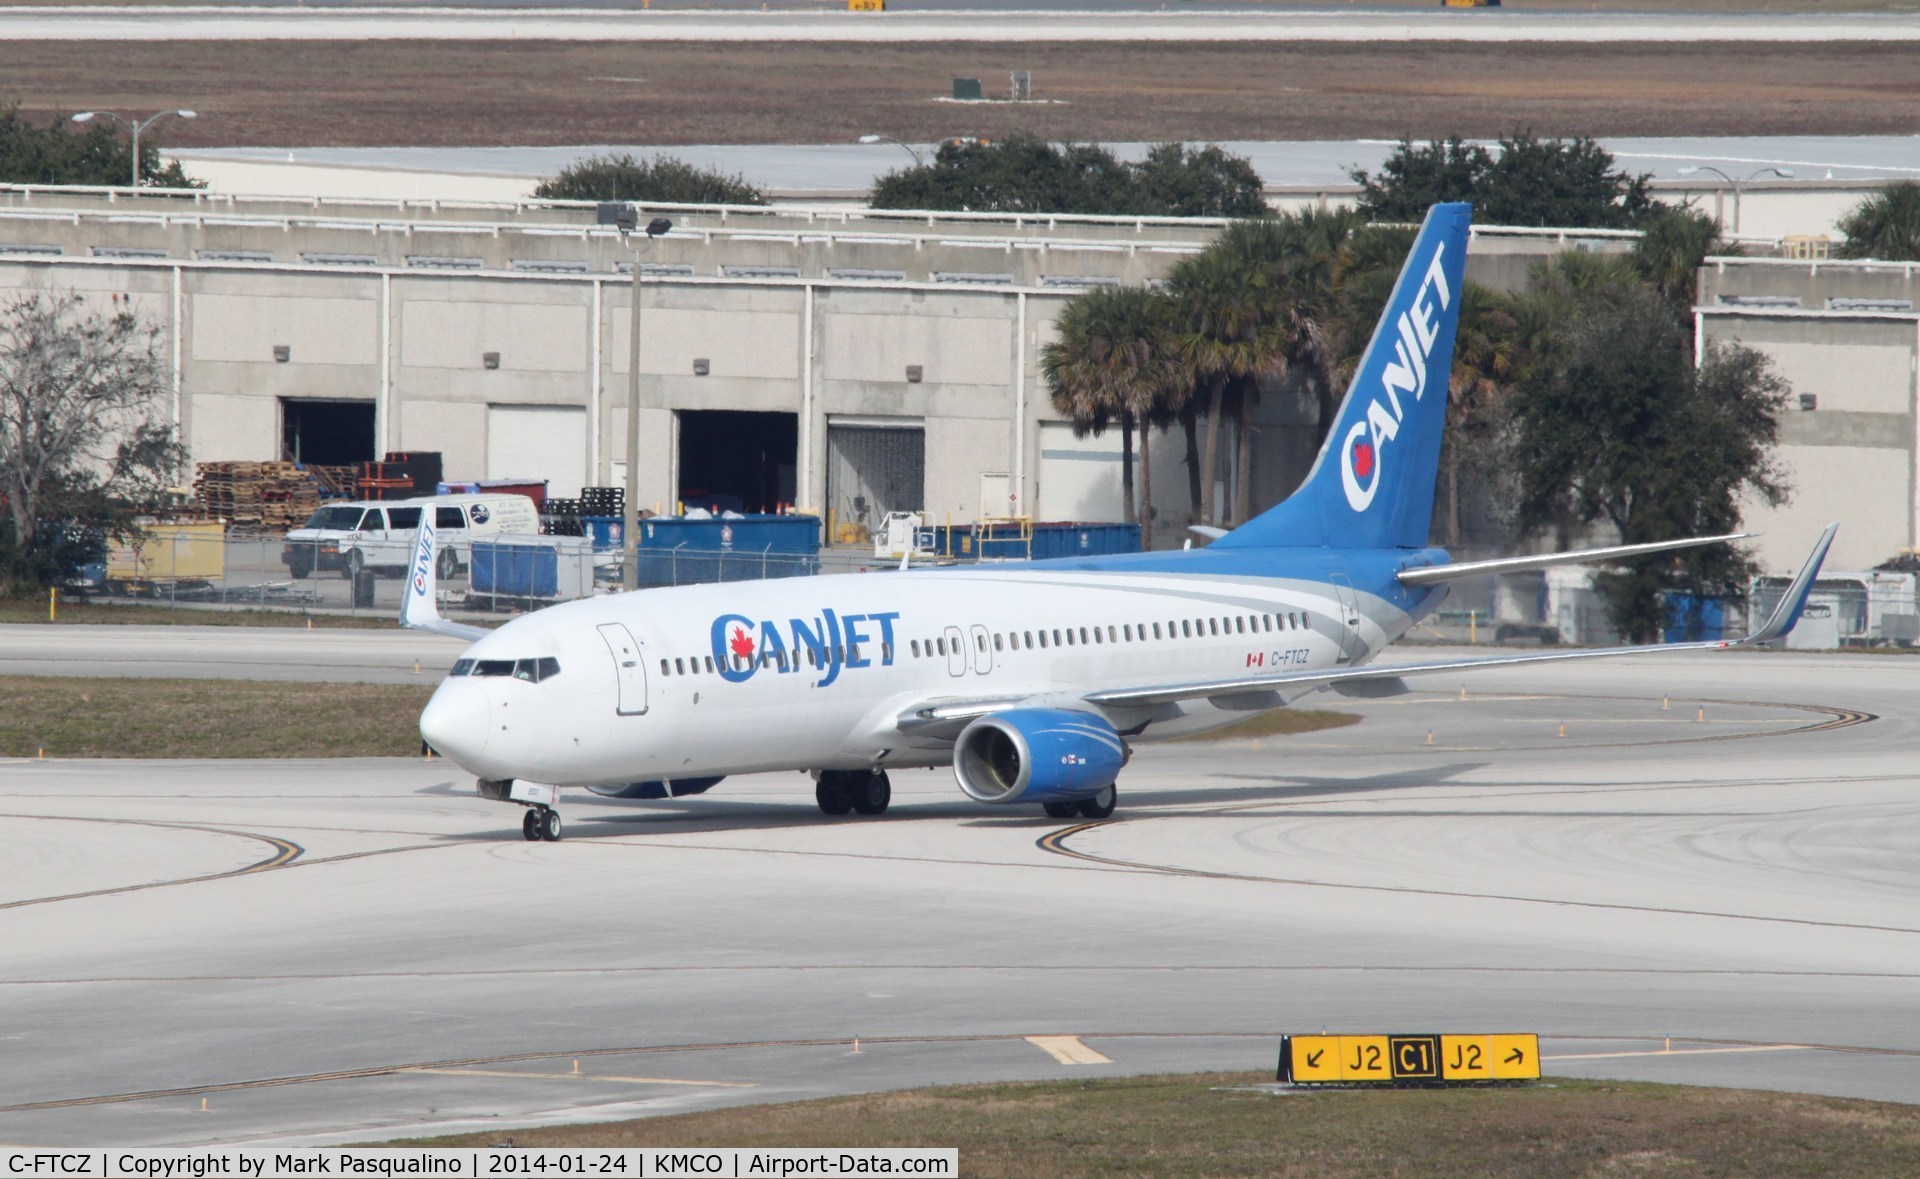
x: 1032, y: 680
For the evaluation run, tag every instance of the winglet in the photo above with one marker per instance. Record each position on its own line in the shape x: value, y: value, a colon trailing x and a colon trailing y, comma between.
x: 418, y: 609
x: 1787, y: 612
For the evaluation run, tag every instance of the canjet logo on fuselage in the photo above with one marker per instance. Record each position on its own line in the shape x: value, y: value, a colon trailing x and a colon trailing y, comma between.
x: 825, y: 644
x: 1360, y: 450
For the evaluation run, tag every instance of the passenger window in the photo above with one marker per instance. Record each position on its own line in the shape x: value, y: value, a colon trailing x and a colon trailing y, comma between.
x: 1213, y: 627
x: 405, y: 519
x: 886, y: 652
x: 373, y: 521
x: 998, y: 645
x: 914, y: 646
x: 663, y: 668
x: 941, y: 643
x: 980, y: 641
x: 1043, y: 640
x: 1186, y: 629
x: 1128, y: 631
x: 1029, y: 635
x: 1306, y: 619
x: 444, y: 517
x: 679, y: 667
x: 1156, y: 630
x: 709, y: 665
x: 1240, y: 626
x: 1083, y: 636
x: 1056, y: 637
x: 1113, y: 634
x: 1097, y: 636
x: 461, y: 667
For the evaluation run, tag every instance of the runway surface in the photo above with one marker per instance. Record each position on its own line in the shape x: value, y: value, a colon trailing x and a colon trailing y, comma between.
x: 1724, y: 850
x: 224, y: 652
x: 222, y: 23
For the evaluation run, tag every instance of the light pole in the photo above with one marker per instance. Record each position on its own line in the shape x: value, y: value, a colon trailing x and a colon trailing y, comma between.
x: 136, y: 126
x: 626, y: 218
x: 1692, y: 169
x: 908, y: 148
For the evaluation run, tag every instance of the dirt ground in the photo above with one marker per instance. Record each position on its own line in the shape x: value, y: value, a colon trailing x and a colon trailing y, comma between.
x: 383, y: 93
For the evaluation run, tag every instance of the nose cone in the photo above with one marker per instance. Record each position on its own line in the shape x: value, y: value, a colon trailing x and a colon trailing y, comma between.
x: 454, y: 722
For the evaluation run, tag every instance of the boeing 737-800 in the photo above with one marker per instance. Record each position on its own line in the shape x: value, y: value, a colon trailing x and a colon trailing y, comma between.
x: 1032, y: 680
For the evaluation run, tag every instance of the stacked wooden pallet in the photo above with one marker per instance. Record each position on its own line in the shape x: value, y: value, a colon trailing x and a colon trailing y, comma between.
x: 275, y: 496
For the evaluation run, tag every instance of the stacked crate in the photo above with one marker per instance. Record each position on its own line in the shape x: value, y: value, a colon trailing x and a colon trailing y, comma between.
x: 276, y: 497
x: 561, y: 517
x: 603, y: 501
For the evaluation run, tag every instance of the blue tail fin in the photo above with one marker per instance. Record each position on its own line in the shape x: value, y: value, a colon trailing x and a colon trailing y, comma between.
x: 1372, y: 485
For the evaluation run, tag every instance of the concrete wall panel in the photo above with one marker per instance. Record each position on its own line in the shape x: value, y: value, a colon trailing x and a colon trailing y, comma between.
x: 319, y: 331
x: 530, y: 337
x: 950, y: 351
x: 223, y: 427
x: 458, y: 431
x: 763, y: 345
x: 958, y: 450
x: 1856, y: 366
x: 1869, y: 491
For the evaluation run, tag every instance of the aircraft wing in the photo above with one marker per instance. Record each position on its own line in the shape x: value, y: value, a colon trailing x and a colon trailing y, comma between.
x: 1248, y: 690
x: 418, y: 610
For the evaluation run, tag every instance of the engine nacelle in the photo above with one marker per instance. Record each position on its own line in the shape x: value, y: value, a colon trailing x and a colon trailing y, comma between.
x: 1037, y: 755
x: 677, y: 788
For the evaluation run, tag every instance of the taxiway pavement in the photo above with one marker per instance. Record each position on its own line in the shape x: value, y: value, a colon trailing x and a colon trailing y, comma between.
x: 1722, y: 849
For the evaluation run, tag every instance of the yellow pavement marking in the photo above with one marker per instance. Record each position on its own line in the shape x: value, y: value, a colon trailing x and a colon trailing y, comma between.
x: 1684, y: 1052
x: 483, y: 1072
x: 1068, y: 1050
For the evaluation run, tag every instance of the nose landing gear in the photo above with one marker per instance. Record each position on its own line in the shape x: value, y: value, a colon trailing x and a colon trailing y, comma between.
x: 541, y: 822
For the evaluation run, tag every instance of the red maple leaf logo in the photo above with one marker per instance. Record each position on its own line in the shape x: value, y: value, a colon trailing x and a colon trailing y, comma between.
x: 740, y: 644
x: 1363, y: 459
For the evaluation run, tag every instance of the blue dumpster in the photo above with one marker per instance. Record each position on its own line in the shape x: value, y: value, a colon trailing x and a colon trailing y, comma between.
x: 674, y: 550
x: 515, y: 570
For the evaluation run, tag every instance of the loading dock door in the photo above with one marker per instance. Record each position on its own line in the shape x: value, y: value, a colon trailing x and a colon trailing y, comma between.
x: 539, y: 442
x: 1080, y: 478
x: 875, y: 466
x: 329, y: 433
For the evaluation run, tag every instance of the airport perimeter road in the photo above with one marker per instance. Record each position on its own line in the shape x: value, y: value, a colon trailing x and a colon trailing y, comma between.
x: 227, y: 652
x: 328, y: 951
x: 164, y: 23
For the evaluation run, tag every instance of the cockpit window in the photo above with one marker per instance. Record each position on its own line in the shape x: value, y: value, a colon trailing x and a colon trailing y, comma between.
x: 493, y: 667
x: 461, y: 667
x: 535, y: 670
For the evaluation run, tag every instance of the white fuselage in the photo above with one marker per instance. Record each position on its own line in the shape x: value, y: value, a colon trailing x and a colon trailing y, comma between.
x: 817, y: 673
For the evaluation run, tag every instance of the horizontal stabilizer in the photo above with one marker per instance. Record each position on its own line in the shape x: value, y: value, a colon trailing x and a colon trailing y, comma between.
x: 1431, y: 574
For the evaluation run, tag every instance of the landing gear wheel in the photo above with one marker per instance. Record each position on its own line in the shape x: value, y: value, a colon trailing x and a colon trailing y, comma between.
x: 1061, y: 810
x: 446, y: 565
x: 550, y: 825
x: 832, y: 794
x: 530, y: 826
x: 1101, y: 805
x: 871, y: 796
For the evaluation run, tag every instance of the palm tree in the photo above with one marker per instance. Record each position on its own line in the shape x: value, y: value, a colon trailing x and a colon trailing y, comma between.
x: 1110, y: 362
x: 1671, y: 247
x: 1486, y: 359
x: 1885, y: 226
x: 1253, y: 306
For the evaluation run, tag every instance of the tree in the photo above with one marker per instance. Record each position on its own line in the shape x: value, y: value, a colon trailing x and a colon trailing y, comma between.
x: 1885, y: 225
x: 1618, y: 426
x: 658, y: 179
x: 1180, y: 181
x: 1673, y: 242
x: 1020, y: 174
x: 1026, y: 174
x: 1569, y: 183
x: 82, y: 436
x: 1415, y: 177
x: 63, y: 152
x: 1111, y: 362
x: 1527, y: 181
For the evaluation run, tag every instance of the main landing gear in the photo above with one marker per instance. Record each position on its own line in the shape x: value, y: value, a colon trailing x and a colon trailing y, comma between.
x: 866, y: 792
x: 1100, y: 806
x: 542, y: 822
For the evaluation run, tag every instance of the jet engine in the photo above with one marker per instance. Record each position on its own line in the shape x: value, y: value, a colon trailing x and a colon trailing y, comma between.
x: 1037, y: 755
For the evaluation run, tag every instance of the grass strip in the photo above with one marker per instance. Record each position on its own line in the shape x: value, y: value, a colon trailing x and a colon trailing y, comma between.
x: 1191, y: 1126
x: 31, y: 610
x: 87, y: 717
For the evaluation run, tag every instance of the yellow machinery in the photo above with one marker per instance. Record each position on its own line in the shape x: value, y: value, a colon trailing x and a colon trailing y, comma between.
x: 168, y: 554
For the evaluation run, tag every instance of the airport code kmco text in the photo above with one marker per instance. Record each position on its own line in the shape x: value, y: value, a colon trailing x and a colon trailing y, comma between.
x: 218, y: 1163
